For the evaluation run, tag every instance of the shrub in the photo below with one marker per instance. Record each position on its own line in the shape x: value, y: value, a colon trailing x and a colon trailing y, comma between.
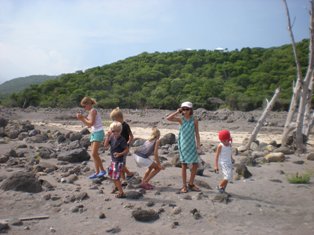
x: 299, y: 179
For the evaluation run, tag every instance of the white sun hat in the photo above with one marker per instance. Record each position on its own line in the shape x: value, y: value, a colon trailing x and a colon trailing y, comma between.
x: 187, y: 104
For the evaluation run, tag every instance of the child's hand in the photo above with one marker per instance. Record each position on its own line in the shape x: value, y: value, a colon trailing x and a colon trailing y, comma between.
x: 79, y: 116
x: 116, y: 155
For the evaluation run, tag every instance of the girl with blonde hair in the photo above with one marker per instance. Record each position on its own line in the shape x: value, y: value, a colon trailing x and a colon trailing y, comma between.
x: 93, y: 121
x: 142, y: 158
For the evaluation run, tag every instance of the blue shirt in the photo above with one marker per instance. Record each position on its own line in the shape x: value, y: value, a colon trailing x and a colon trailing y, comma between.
x: 117, y: 145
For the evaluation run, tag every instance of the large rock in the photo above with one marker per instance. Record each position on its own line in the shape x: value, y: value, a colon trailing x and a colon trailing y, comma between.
x: 275, y: 157
x: 45, y: 152
x: 76, y: 155
x: 3, y: 122
x: 22, y: 181
x: 284, y: 149
x: 145, y: 215
x: 242, y: 170
x: 310, y: 157
x: 169, y: 138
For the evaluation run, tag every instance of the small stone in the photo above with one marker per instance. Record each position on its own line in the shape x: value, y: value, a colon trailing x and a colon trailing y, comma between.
x: 115, y: 229
x: 176, y: 210
x: 102, y: 216
x: 150, y: 204
x: 52, y: 230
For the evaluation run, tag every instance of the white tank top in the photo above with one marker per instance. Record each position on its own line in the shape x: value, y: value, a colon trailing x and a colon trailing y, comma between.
x: 225, y: 154
x: 98, y: 123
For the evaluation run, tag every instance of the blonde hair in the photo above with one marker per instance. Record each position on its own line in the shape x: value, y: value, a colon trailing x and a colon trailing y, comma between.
x: 155, y: 134
x: 116, y: 113
x: 87, y: 101
x: 116, y: 126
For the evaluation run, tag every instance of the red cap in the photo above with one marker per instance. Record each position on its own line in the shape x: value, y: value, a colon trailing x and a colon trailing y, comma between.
x: 224, y: 135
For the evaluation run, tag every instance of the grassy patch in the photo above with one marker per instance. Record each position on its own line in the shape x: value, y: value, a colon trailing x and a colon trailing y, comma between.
x: 299, y: 178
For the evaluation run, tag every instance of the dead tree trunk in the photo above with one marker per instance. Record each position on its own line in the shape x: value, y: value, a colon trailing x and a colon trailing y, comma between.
x: 308, y: 116
x: 302, y: 92
x: 262, y: 118
x: 297, y: 88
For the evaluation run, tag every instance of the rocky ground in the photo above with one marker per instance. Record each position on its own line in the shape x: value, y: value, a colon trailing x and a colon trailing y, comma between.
x: 44, y: 187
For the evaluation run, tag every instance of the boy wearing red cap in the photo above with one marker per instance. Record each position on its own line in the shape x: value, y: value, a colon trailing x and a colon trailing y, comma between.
x: 224, y: 156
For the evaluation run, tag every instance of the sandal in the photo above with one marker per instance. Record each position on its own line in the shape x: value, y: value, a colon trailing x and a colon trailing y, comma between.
x: 120, y: 195
x: 146, y: 186
x: 194, y: 188
x: 184, y: 189
x: 114, y: 190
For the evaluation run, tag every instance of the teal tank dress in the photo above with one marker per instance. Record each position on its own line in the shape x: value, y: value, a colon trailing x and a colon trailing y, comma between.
x: 187, y: 144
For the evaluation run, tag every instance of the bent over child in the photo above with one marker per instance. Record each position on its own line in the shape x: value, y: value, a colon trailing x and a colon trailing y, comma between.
x: 142, y: 158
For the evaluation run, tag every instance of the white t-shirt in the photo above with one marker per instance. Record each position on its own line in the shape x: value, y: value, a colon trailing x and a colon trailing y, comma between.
x: 225, y: 154
x: 98, y: 123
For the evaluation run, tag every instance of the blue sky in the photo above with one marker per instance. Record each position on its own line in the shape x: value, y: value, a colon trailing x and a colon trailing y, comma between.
x: 62, y: 36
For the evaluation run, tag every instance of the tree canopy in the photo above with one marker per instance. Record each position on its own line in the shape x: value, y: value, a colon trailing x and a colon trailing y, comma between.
x: 239, y: 79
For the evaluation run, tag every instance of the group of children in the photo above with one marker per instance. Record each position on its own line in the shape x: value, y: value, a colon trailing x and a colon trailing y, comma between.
x: 119, y: 137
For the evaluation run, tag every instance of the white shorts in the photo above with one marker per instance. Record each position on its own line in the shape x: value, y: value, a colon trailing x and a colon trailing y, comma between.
x: 142, y: 162
x: 226, y: 169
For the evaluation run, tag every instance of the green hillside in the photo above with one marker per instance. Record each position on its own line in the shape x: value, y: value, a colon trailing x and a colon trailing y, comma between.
x: 18, y: 84
x: 241, y: 78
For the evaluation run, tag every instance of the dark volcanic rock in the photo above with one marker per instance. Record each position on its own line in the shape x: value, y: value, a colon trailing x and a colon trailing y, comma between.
x: 76, y: 155
x: 22, y: 181
x: 145, y: 215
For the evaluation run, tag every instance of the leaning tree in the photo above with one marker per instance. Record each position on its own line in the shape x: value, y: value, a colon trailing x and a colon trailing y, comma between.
x: 300, y: 118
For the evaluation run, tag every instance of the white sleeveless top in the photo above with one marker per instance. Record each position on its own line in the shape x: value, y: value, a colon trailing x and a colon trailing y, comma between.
x: 98, y: 123
x: 225, y: 154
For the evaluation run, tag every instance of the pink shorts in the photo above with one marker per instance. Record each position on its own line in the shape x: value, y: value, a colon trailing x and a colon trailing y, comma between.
x: 115, y: 169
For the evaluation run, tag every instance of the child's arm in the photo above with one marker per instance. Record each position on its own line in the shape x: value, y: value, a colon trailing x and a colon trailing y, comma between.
x: 172, y: 117
x: 218, y: 150
x: 131, y: 137
x: 124, y: 152
x: 88, y: 122
x: 106, y: 142
x: 156, y: 157
x: 197, y: 134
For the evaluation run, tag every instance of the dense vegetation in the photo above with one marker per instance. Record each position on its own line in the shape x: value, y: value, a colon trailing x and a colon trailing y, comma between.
x: 242, y: 79
x: 19, y: 84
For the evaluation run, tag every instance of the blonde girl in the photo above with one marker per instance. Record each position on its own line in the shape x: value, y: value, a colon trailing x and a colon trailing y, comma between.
x: 142, y: 158
x: 93, y: 121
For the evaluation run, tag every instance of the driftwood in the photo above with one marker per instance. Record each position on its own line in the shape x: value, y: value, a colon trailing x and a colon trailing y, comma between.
x: 262, y: 118
x: 34, y: 217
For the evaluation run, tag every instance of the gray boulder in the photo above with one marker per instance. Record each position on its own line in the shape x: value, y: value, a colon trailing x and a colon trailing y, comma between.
x: 169, y: 138
x: 22, y: 181
x: 310, y: 157
x: 3, y: 122
x: 275, y: 157
x: 75, y: 155
x: 242, y: 170
x: 145, y: 215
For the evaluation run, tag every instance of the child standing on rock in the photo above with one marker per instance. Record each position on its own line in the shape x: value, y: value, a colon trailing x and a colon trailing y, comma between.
x: 118, y: 149
x: 188, y: 143
x: 116, y: 115
x: 224, y: 157
x: 141, y: 156
x: 93, y: 120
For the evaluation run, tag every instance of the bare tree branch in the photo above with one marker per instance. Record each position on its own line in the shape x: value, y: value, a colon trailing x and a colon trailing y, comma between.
x: 262, y: 118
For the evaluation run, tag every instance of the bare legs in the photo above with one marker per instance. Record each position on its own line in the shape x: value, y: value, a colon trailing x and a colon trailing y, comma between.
x: 150, y: 173
x: 223, y: 183
x: 191, y: 182
x: 97, y: 161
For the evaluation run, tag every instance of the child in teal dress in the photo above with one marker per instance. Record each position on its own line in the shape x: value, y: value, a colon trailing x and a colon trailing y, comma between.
x: 188, y: 143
